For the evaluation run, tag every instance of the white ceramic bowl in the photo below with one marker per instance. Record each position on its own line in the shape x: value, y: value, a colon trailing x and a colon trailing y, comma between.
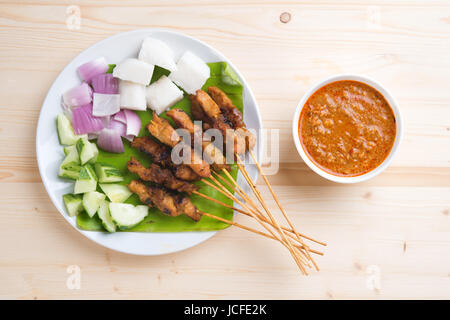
x: 399, y: 128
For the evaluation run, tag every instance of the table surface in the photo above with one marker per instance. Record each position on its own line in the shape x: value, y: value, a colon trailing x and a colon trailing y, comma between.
x: 387, y: 238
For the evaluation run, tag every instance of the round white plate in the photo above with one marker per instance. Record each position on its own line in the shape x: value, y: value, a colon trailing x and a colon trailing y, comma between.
x: 50, y: 153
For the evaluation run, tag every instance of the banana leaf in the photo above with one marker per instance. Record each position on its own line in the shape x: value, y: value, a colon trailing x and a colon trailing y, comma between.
x: 223, y: 77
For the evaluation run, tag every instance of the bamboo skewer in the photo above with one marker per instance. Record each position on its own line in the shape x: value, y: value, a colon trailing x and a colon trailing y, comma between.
x: 258, y: 195
x: 278, y: 203
x: 247, y: 214
x: 289, y: 246
x: 246, y: 228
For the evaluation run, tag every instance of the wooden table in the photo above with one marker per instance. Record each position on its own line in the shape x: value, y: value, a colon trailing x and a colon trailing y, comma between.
x: 388, y: 238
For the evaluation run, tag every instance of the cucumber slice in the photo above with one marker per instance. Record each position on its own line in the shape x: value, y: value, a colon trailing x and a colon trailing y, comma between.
x: 70, y: 167
x: 87, y: 150
x: 68, y: 149
x: 116, y: 192
x: 107, y: 173
x: 92, y: 201
x: 126, y: 215
x: 65, y: 131
x: 105, y: 216
x: 73, y: 203
x: 87, y: 180
x: 94, y: 147
x: 71, y: 171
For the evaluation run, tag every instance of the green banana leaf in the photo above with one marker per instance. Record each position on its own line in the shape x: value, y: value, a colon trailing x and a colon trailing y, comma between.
x: 223, y: 77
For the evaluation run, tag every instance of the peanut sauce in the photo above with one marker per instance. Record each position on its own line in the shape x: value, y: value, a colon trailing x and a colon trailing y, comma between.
x: 347, y: 128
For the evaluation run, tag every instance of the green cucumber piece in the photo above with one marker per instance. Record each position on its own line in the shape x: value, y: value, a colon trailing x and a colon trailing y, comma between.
x: 68, y: 149
x: 87, y: 150
x: 70, y: 172
x: 92, y: 201
x: 107, y: 173
x: 65, y: 131
x: 70, y: 167
x: 87, y: 180
x: 73, y: 203
x: 126, y: 215
x: 104, y: 215
x: 116, y: 192
x: 94, y: 159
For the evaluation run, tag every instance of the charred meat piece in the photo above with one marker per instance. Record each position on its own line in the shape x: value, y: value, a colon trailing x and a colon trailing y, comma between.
x: 217, y: 121
x: 228, y: 109
x: 161, y: 154
x: 214, y: 155
x: 182, y: 120
x: 156, y: 174
x: 233, y: 116
x: 169, y: 203
x: 162, y: 130
x: 140, y: 189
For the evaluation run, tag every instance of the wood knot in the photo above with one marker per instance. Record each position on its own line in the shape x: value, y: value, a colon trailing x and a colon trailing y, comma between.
x: 285, y: 17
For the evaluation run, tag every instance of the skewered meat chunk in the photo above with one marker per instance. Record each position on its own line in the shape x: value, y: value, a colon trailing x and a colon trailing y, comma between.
x: 215, y: 156
x: 217, y: 121
x: 156, y: 174
x: 233, y: 115
x: 228, y: 109
x: 162, y: 130
x: 161, y: 154
x: 169, y: 203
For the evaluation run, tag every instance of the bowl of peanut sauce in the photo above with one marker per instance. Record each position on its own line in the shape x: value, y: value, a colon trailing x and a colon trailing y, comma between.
x: 347, y: 128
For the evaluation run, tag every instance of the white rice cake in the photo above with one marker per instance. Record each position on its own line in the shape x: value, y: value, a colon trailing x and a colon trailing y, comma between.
x: 134, y: 70
x: 132, y: 95
x: 191, y: 74
x: 158, y: 53
x: 162, y: 94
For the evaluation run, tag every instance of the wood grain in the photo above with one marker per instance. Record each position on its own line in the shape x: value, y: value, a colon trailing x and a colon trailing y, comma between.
x: 395, y: 226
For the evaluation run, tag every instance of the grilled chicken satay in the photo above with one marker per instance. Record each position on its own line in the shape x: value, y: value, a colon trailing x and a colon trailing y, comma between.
x: 182, y: 120
x: 156, y: 174
x: 161, y: 155
x: 217, y: 121
x: 233, y: 115
x: 170, y: 204
x: 227, y: 107
x: 162, y: 130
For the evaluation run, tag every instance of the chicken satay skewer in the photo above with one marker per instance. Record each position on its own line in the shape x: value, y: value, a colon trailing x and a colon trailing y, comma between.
x: 145, y: 194
x: 161, y: 129
x: 235, y: 117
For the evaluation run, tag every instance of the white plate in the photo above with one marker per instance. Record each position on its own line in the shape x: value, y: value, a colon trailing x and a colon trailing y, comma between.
x: 50, y: 153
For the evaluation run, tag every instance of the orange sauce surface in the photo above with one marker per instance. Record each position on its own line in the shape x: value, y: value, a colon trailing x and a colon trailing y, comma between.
x: 347, y: 128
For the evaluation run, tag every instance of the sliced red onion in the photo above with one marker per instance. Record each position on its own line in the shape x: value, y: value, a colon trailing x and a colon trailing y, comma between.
x: 120, y: 116
x: 121, y: 128
x: 105, y: 104
x: 118, y: 126
x: 105, y: 83
x: 79, y: 96
x: 133, y: 122
x: 92, y: 68
x: 110, y: 140
x: 84, y: 122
